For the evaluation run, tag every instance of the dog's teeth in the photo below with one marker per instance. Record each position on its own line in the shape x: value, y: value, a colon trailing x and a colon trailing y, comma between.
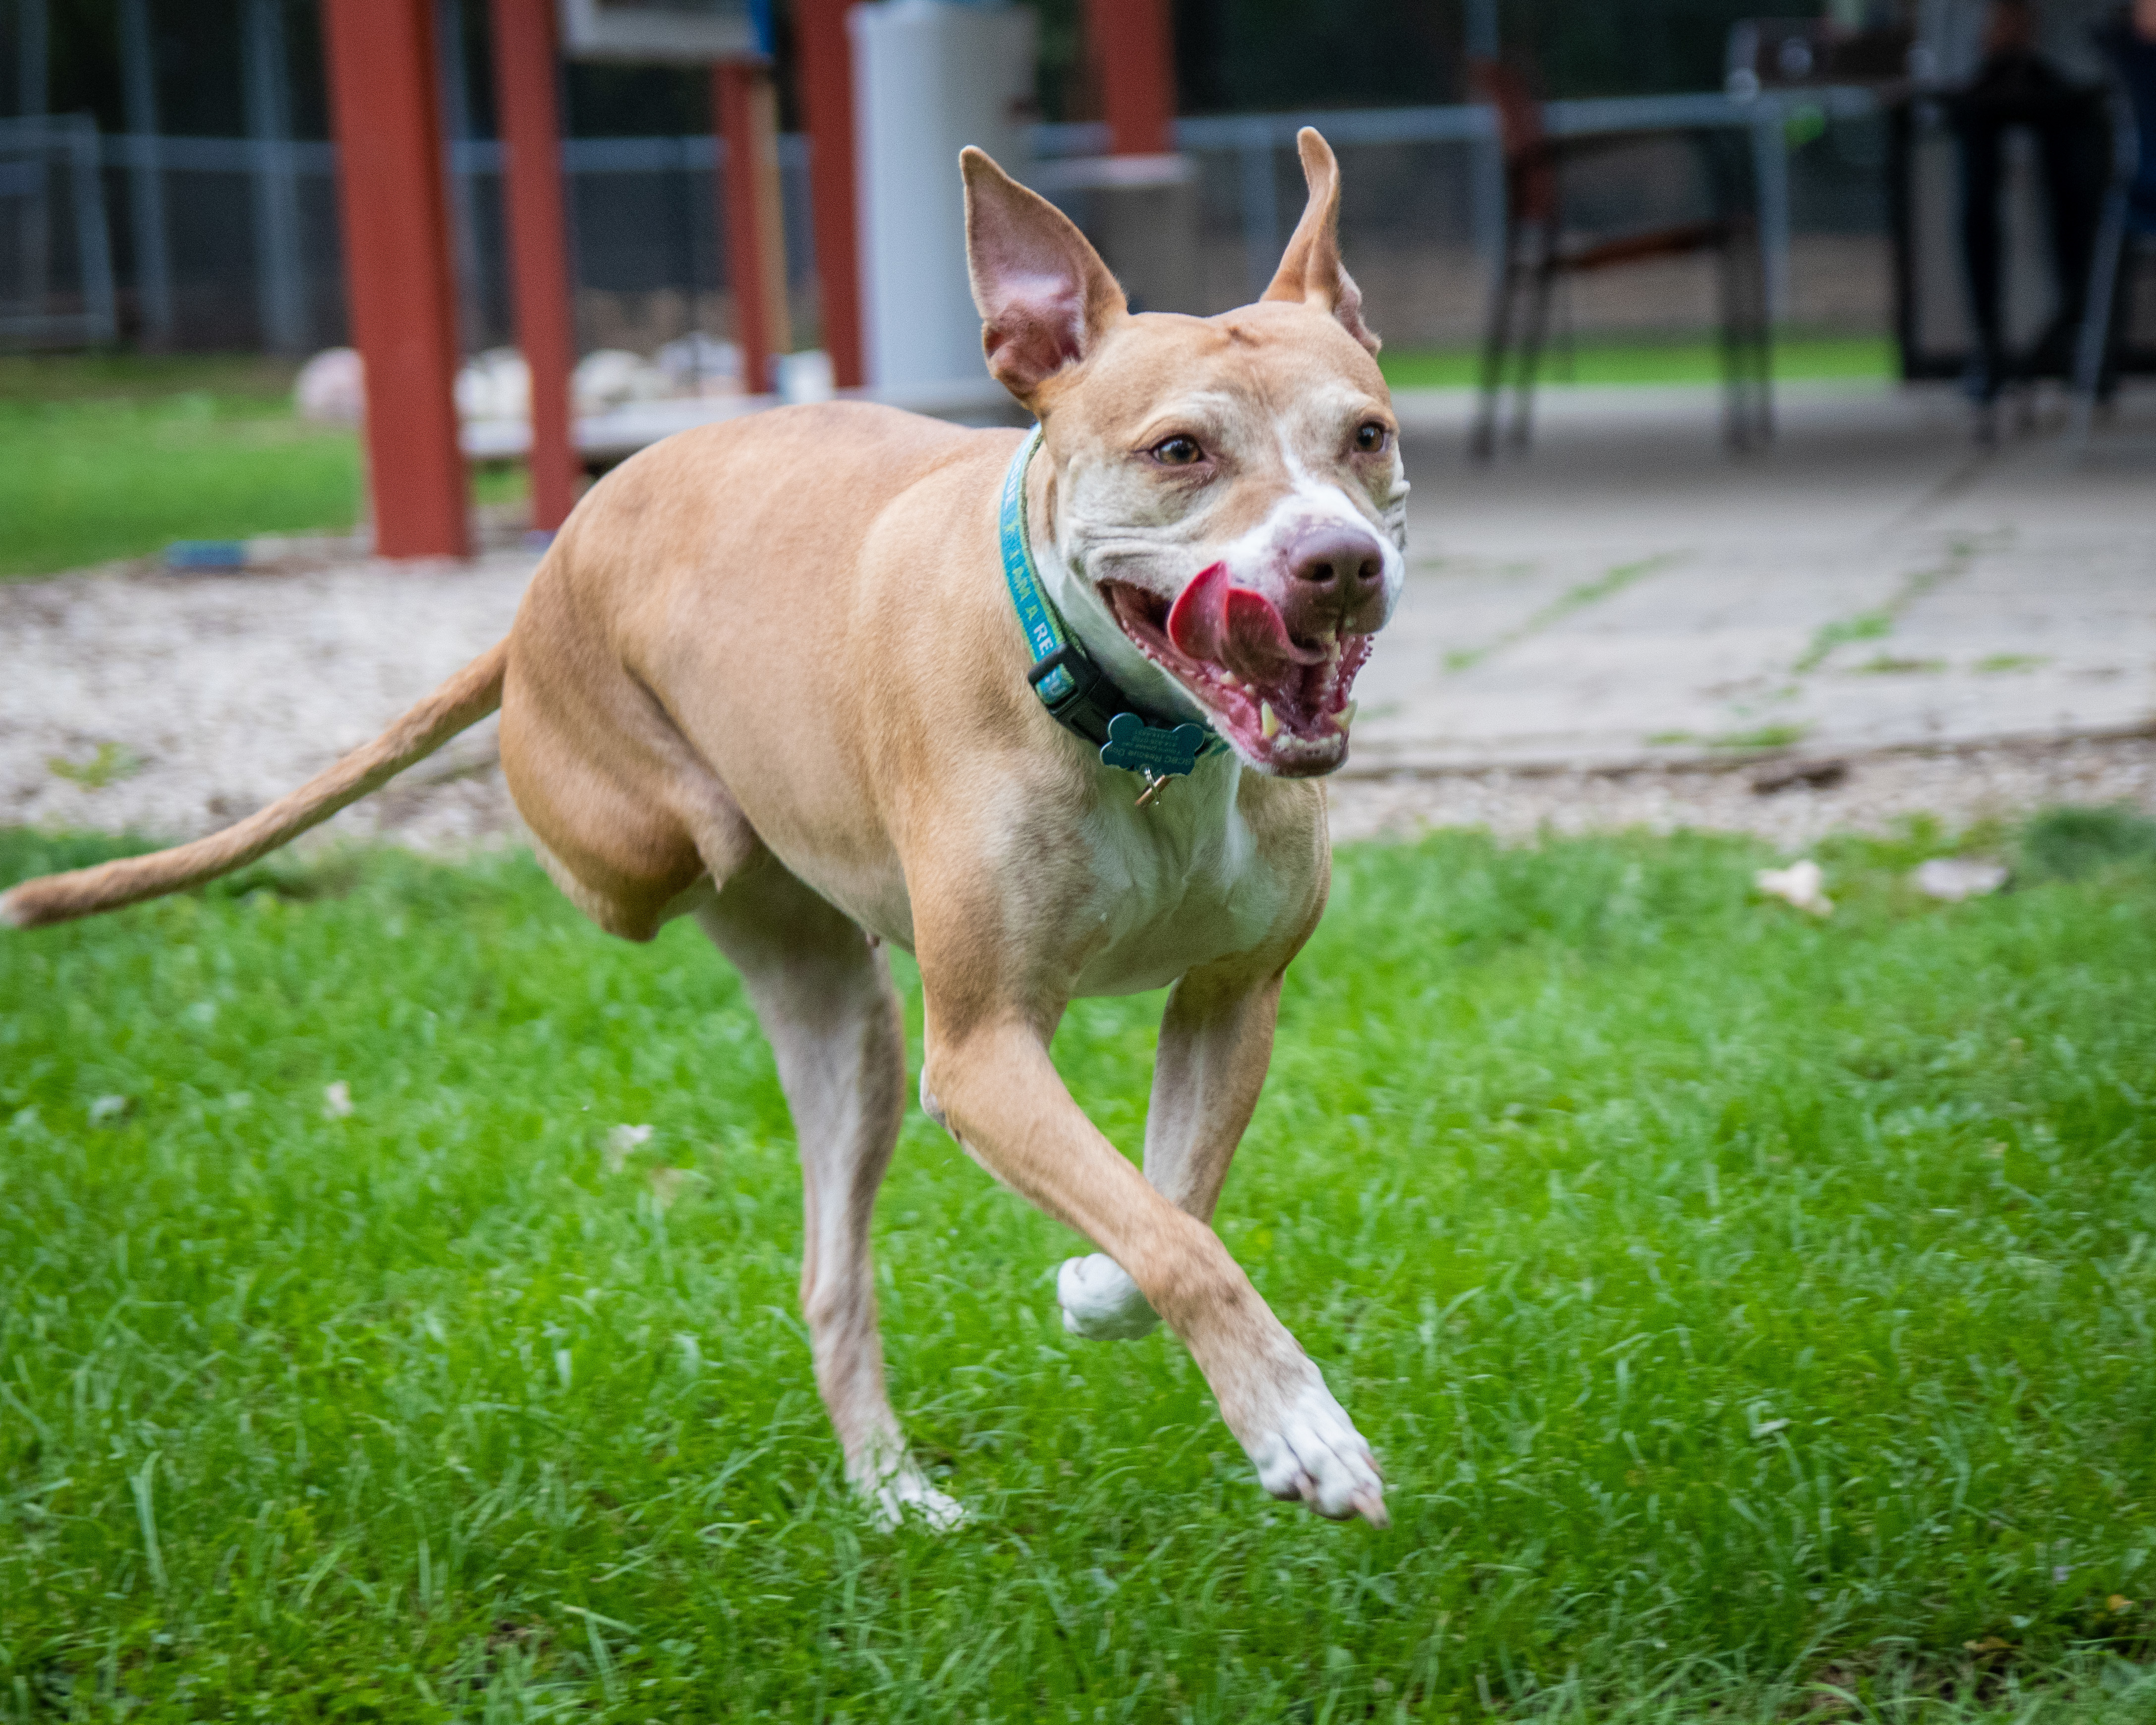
x: 1345, y: 717
x: 1268, y: 720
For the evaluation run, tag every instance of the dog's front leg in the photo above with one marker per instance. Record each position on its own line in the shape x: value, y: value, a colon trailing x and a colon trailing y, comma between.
x: 990, y: 1070
x: 1216, y: 1038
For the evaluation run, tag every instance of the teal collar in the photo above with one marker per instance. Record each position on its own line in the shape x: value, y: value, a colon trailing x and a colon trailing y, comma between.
x: 1078, y: 693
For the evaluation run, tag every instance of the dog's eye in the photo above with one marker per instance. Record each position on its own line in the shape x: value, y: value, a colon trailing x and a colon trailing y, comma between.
x: 1176, y: 451
x: 1370, y: 437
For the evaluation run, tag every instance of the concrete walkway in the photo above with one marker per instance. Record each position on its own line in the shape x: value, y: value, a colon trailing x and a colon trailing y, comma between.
x: 1627, y: 592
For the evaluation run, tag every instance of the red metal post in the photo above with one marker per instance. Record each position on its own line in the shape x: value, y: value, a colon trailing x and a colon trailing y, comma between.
x: 526, y: 90
x: 1137, y: 74
x: 394, y: 202
x: 827, y: 103
x: 747, y: 107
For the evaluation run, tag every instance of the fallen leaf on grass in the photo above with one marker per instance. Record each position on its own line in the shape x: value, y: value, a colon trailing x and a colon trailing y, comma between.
x: 336, y: 1100
x: 2119, y: 1604
x: 1955, y: 878
x: 1798, y: 884
x: 622, y: 1142
x: 1989, y: 1644
x: 666, y: 1183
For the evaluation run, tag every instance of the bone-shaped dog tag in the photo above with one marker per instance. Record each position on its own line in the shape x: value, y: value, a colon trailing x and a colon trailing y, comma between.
x: 1159, y: 752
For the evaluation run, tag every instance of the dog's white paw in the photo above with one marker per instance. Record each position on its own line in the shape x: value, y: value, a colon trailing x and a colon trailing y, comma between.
x: 1099, y: 1302
x: 1311, y: 1450
x: 902, y: 1489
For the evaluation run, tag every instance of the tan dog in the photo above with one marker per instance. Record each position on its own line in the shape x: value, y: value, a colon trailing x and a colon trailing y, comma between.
x: 769, y: 675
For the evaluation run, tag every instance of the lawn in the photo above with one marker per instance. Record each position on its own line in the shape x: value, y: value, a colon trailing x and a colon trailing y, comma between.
x: 106, y: 456
x: 118, y: 457
x: 1752, y: 1314
x: 1599, y: 359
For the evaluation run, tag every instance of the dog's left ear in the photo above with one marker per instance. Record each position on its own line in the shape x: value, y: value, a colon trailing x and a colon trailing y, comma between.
x: 1312, y: 274
x: 1045, y: 298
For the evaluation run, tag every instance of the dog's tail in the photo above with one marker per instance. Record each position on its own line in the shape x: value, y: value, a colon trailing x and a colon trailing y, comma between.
x: 463, y: 701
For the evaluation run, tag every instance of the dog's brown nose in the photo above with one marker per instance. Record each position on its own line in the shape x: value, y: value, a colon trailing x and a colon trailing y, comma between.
x: 1338, y: 557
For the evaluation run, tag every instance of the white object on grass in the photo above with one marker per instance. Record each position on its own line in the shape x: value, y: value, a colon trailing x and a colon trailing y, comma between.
x: 1799, y: 884
x: 336, y: 1100
x: 331, y: 388
x: 622, y: 1142
x: 1955, y: 878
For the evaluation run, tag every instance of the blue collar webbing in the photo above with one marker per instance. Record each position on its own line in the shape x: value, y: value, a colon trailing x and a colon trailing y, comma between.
x: 1071, y: 684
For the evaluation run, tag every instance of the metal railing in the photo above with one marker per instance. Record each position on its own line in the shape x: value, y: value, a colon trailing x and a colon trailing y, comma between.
x: 56, y: 287
x: 1256, y: 139
x: 287, y: 268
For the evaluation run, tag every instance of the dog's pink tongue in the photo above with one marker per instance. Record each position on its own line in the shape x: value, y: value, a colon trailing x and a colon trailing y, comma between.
x: 1198, y: 622
x: 1214, y: 621
x: 1258, y: 649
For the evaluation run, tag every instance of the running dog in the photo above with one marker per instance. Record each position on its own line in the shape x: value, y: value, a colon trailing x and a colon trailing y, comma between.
x: 1049, y: 711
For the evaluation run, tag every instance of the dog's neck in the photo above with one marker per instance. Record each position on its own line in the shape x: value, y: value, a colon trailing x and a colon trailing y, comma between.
x: 1142, y: 681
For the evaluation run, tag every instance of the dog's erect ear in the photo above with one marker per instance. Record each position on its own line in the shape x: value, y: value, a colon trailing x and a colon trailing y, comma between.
x: 1045, y: 298
x: 1311, y: 273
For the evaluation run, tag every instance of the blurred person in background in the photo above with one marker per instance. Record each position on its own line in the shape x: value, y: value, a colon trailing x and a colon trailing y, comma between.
x: 2032, y: 64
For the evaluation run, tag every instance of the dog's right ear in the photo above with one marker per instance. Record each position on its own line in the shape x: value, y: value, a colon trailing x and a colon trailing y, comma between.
x: 1045, y: 298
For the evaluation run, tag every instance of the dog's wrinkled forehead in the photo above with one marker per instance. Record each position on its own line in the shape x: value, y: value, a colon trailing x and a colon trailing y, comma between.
x: 1271, y: 394
x: 1249, y: 378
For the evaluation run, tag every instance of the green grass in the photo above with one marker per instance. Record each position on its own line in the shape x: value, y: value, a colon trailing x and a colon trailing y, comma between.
x: 1750, y: 1312
x: 108, y: 456
x: 1796, y: 356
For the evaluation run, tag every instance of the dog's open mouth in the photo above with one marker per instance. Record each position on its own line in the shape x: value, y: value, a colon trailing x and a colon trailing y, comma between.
x: 1285, y: 702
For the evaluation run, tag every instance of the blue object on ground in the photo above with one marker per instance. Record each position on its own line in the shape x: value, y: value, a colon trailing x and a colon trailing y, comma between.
x: 195, y: 557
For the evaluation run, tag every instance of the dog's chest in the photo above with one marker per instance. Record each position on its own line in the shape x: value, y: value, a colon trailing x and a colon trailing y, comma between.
x: 1180, y: 883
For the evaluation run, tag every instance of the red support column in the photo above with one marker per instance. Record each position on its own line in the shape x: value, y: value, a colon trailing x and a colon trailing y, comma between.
x: 827, y: 103
x: 525, y: 77
x: 394, y: 202
x: 747, y: 107
x: 1137, y: 74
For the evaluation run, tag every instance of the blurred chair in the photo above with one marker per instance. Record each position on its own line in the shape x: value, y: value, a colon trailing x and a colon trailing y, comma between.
x: 1538, y: 252
x: 2127, y: 224
x: 1800, y: 53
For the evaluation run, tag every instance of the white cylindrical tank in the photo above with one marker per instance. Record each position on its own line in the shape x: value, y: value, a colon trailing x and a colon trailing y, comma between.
x: 930, y: 77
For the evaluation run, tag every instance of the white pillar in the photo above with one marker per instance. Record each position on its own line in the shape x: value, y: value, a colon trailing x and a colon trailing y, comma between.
x: 930, y: 77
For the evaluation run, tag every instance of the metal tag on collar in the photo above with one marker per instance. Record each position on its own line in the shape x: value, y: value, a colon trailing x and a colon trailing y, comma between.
x: 1159, y: 752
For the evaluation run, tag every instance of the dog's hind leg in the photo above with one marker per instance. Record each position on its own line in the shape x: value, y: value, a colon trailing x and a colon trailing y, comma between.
x: 1216, y: 1038
x: 824, y: 998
